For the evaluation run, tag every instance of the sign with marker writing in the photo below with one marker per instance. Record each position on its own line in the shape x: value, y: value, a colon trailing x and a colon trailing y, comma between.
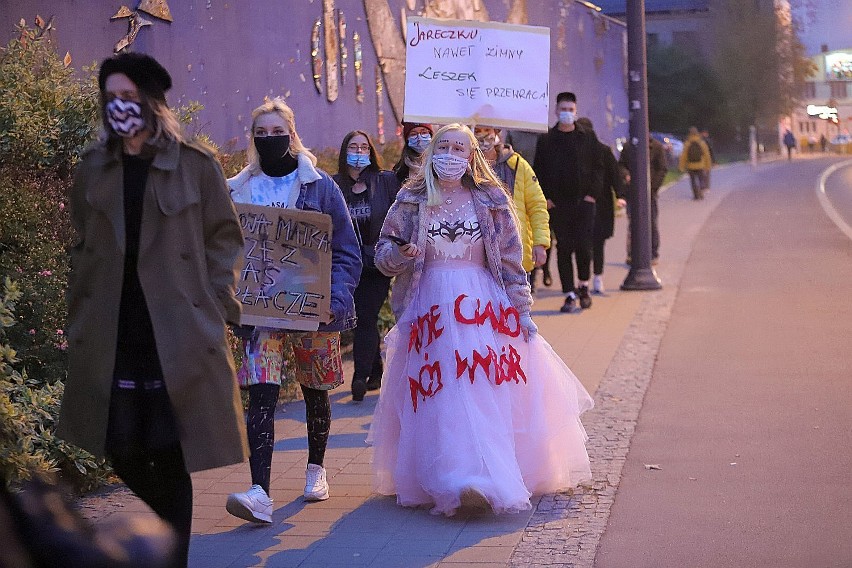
x: 486, y: 73
x: 285, y: 278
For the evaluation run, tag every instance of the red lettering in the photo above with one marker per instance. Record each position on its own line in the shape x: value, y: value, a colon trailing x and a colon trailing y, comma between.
x: 507, y: 365
x: 499, y: 324
x: 425, y: 324
x: 432, y: 375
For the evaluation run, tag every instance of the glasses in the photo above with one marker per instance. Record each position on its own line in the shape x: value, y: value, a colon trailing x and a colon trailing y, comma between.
x: 363, y: 148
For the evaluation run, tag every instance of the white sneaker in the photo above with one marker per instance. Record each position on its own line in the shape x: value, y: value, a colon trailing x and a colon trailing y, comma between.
x: 597, y: 285
x: 316, y: 487
x: 254, y: 505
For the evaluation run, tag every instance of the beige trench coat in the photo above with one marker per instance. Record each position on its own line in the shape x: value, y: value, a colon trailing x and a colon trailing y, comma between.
x: 190, y: 241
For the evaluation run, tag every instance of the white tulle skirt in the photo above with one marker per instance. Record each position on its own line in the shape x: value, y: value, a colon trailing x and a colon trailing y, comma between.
x: 466, y: 403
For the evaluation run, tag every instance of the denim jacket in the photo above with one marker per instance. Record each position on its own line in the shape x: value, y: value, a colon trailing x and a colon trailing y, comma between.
x: 503, y: 248
x: 318, y: 192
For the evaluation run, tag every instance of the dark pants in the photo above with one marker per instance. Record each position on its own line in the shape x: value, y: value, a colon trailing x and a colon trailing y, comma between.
x: 145, y: 451
x: 574, y: 227
x: 696, y: 180
x: 655, y: 231
x: 260, y: 422
x: 370, y: 294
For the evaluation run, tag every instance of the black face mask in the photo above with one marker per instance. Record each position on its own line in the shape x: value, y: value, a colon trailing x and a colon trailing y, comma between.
x: 275, y: 160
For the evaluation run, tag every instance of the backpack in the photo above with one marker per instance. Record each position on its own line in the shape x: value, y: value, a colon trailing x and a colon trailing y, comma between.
x: 694, y: 153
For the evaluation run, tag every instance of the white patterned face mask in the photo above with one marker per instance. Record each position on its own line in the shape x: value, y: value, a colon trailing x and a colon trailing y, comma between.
x: 125, y: 117
x: 449, y: 167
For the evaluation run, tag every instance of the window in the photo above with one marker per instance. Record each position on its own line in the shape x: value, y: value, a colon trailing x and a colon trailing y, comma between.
x: 809, y: 91
x: 838, y: 89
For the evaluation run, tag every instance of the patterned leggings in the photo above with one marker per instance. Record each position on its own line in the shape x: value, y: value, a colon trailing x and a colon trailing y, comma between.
x: 261, y: 428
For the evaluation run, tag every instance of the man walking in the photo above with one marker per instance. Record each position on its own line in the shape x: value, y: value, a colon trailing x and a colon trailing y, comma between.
x: 658, y: 169
x: 695, y: 160
x: 570, y: 170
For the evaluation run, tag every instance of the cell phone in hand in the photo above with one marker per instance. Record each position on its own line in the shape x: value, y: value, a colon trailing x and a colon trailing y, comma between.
x: 398, y: 240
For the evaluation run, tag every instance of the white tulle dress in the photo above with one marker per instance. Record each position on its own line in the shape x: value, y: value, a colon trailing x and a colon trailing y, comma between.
x: 466, y: 403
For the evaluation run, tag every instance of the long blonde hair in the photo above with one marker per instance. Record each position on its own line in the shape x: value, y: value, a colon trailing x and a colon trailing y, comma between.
x: 479, y: 172
x: 282, y: 109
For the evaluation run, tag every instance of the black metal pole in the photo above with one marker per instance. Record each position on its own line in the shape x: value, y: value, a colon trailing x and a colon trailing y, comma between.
x: 641, y: 275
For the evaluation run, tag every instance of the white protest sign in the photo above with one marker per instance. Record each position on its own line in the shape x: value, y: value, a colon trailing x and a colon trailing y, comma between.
x: 486, y: 73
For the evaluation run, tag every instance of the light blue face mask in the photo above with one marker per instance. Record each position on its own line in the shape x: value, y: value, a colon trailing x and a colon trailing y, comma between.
x: 567, y: 117
x: 357, y: 160
x: 418, y: 142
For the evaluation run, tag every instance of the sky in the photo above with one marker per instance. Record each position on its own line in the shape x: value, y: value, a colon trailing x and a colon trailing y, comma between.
x: 824, y: 22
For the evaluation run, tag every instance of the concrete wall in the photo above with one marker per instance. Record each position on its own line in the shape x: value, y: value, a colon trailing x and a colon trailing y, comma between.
x: 229, y: 54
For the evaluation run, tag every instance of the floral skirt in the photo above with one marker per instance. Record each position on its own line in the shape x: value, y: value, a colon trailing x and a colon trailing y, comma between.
x: 467, y: 403
x: 316, y: 354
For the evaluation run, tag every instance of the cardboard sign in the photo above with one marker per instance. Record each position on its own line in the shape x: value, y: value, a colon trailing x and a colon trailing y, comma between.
x: 285, y: 279
x: 486, y: 73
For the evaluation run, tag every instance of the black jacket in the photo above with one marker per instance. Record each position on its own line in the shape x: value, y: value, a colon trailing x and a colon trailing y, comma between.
x: 382, y: 186
x: 656, y: 163
x: 549, y: 157
x: 613, y: 187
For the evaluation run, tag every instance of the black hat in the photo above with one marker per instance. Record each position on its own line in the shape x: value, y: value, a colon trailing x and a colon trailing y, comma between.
x: 148, y: 75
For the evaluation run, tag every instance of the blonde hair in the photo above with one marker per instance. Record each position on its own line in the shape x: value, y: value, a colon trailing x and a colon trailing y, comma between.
x: 167, y: 126
x: 282, y: 109
x: 479, y: 173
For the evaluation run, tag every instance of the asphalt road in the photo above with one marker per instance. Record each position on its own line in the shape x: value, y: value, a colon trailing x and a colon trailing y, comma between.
x: 742, y: 454
x: 838, y: 188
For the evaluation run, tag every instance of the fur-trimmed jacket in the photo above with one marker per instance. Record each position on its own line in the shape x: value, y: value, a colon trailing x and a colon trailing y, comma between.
x: 503, y: 247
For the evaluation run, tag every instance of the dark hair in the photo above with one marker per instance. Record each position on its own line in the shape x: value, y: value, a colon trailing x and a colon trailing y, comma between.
x: 145, y: 72
x: 566, y: 96
x: 375, y: 159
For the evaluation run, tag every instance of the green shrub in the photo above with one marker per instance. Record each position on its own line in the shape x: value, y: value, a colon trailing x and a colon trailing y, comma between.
x: 46, y: 114
x: 28, y: 411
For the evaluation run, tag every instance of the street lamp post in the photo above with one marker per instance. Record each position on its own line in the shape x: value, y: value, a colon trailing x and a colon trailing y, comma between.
x: 641, y: 275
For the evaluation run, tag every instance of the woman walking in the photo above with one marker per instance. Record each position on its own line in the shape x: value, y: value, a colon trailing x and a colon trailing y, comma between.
x: 150, y: 378
x: 369, y: 192
x: 476, y: 409
x: 282, y: 173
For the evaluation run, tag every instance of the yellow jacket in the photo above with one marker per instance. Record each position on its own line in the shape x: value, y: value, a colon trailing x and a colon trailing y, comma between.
x: 704, y: 164
x: 530, y: 204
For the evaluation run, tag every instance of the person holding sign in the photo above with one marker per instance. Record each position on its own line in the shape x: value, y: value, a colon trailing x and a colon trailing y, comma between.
x: 519, y: 178
x: 476, y: 409
x: 416, y: 137
x: 369, y: 192
x: 150, y: 377
x: 282, y: 173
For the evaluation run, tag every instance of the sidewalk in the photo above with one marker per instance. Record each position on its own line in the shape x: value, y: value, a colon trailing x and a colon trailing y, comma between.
x: 610, y: 347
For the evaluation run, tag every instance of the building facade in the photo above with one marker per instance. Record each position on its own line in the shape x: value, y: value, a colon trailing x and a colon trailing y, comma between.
x: 826, y: 103
x: 685, y: 24
x: 228, y: 56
